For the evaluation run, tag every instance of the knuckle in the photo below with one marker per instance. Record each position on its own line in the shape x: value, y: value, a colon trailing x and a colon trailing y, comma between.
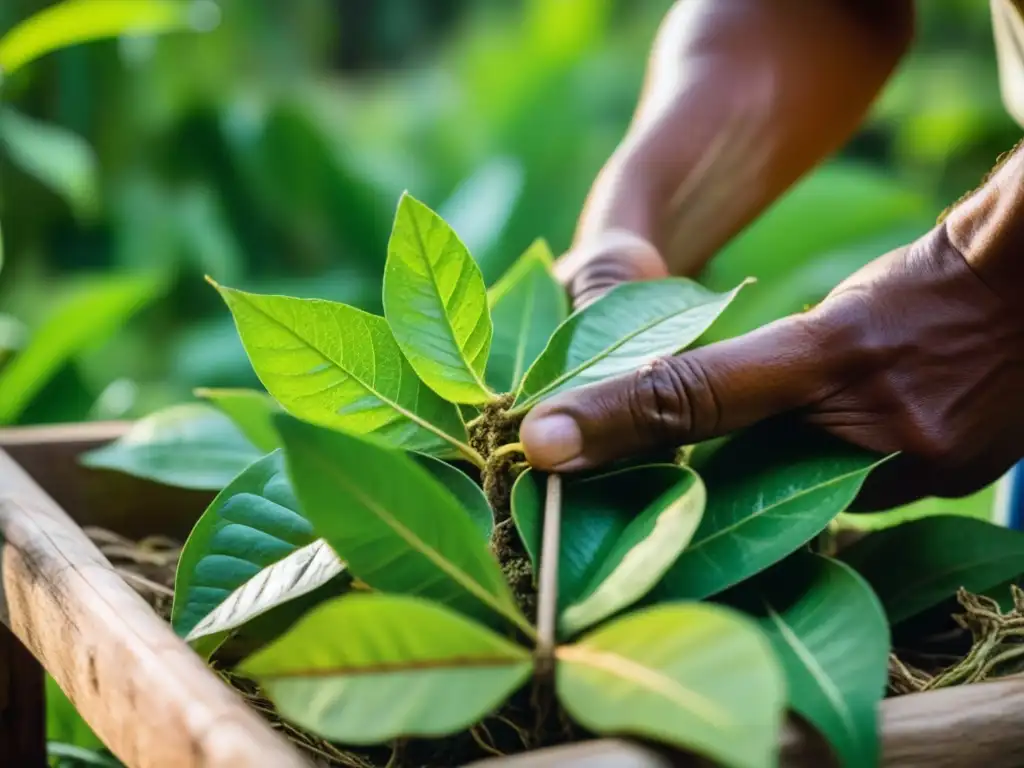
x: 667, y: 398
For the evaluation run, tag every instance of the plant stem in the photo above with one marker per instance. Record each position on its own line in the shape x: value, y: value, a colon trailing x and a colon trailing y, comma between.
x: 504, y: 450
x: 474, y: 421
x: 547, y: 590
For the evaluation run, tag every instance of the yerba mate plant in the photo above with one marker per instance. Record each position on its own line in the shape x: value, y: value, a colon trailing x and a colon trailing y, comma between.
x: 372, y: 555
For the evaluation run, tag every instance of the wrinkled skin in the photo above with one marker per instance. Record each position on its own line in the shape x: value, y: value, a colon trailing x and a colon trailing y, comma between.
x: 921, y: 352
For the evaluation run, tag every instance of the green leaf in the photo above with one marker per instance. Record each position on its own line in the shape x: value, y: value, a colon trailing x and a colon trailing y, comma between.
x: 80, y: 21
x: 435, y: 301
x: 917, y: 565
x: 399, y: 529
x: 699, y: 677
x: 340, y: 367
x: 527, y: 306
x: 630, y: 325
x: 252, y: 412
x: 187, y: 446
x: 462, y: 487
x: 831, y: 636
x: 252, y: 524
x: 305, y: 570
x: 771, y: 489
x: 57, y: 158
x: 340, y: 672
x: 88, y: 314
x: 621, y: 531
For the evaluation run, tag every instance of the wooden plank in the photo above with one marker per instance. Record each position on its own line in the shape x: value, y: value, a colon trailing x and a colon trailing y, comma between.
x: 130, y: 506
x: 22, y: 705
x: 146, y: 694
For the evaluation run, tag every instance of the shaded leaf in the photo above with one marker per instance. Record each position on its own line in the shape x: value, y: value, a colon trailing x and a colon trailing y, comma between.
x: 398, y: 528
x: 250, y: 410
x: 832, y: 638
x: 621, y: 531
x: 340, y: 367
x: 79, y: 21
x: 917, y: 565
x: 632, y: 324
x: 89, y: 313
x: 462, y: 487
x: 341, y: 670
x: 57, y: 158
x: 698, y: 677
x: 771, y: 489
x: 527, y: 306
x: 435, y: 301
x: 252, y: 524
x: 300, y: 573
x: 187, y: 446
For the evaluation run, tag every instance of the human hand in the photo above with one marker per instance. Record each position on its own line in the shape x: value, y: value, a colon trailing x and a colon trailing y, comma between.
x: 916, y: 353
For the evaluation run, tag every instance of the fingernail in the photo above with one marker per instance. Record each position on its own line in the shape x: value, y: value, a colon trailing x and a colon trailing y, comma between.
x: 553, y: 440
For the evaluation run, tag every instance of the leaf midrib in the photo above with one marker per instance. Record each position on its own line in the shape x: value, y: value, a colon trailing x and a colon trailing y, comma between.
x: 453, y: 571
x: 444, y: 309
x: 765, y: 510
x: 368, y: 387
x: 590, y: 362
x: 423, y: 665
x: 810, y: 662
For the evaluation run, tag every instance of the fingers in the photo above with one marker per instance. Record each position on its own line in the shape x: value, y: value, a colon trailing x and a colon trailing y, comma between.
x: 592, y: 269
x: 682, y: 400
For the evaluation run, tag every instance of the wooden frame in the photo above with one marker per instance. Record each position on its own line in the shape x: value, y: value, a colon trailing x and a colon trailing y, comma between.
x: 155, y: 704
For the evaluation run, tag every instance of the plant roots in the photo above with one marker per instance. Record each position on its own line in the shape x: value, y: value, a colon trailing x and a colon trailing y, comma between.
x: 997, y: 649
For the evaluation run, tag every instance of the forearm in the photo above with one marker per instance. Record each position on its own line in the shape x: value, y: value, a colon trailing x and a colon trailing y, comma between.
x: 742, y: 97
x: 988, y: 228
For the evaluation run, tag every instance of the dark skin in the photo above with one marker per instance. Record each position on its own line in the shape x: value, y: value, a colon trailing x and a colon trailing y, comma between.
x: 921, y: 352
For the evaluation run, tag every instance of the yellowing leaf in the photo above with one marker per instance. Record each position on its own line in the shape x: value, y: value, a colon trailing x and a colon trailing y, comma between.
x: 695, y: 676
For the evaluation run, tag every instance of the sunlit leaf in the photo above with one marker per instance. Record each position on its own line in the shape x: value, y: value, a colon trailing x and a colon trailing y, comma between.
x: 397, y: 527
x: 917, y: 565
x: 435, y: 301
x: 252, y: 412
x: 630, y: 325
x: 832, y: 638
x: 771, y: 489
x: 341, y: 670
x: 340, y: 367
x: 188, y: 446
x: 695, y: 676
x: 621, y: 531
x: 527, y: 305
x: 89, y: 313
x: 80, y: 21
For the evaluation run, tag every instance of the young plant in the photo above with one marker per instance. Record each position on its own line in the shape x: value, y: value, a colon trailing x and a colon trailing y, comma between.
x: 386, y: 570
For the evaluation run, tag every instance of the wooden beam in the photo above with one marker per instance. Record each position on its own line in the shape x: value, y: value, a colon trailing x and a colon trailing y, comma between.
x: 145, y: 693
x: 127, y: 505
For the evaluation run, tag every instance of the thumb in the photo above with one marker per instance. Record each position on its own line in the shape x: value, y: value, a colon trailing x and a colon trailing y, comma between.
x: 682, y: 400
x: 593, y: 267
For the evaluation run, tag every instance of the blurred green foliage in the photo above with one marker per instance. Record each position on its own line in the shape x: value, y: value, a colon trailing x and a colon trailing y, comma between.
x: 270, y: 154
